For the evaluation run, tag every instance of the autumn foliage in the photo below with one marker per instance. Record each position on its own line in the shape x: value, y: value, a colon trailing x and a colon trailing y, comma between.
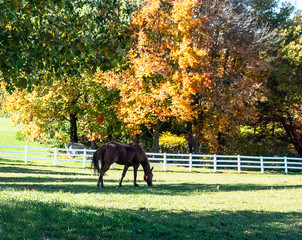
x: 191, y: 61
x: 65, y: 110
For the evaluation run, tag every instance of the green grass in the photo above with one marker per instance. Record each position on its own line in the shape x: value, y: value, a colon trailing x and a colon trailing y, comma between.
x: 45, y: 202
x: 8, y: 132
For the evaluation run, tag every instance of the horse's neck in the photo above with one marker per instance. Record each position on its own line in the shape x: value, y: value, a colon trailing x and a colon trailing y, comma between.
x: 146, y: 166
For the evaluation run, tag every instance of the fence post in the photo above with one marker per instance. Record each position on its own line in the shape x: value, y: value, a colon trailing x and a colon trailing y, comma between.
x: 262, y: 165
x: 84, y: 158
x: 190, y: 162
x: 239, y: 164
x: 165, y: 161
x: 26, y: 154
x: 55, y: 157
x: 215, y: 163
x: 285, y: 165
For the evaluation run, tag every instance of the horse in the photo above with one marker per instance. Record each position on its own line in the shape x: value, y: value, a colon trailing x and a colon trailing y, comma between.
x: 124, y: 154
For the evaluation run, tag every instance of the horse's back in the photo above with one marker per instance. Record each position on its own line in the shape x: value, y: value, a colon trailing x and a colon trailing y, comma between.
x: 124, y: 154
x: 113, y: 149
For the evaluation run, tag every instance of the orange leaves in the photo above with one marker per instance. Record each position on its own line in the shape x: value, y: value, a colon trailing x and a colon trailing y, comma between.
x: 167, y: 68
x: 100, y: 119
x: 94, y: 135
x: 151, y: 16
x: 183, y: 15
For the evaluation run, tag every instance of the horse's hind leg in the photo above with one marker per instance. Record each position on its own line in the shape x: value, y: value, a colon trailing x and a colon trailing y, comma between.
x: 123, y: 175
x: 100, y: 179
x: 135, y: 167
x: 103, y: 169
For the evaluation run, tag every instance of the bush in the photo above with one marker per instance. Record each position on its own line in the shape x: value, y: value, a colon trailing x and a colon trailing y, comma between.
x: 169, y: 141
x: 20, y: 136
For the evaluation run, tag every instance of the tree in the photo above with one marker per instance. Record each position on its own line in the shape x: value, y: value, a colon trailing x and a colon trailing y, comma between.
x: 194, y: 60
x: 54, y: 110
x: 275, y: 13
x: 45, y: 48
x: 50, y: 37
x: 150, y: 94
x: 283, y: 106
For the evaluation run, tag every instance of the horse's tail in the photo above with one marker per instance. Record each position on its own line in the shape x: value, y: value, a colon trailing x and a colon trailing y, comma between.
x: 98, y: 156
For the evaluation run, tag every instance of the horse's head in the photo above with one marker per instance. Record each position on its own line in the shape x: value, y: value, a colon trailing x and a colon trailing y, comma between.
x: 148, y: 178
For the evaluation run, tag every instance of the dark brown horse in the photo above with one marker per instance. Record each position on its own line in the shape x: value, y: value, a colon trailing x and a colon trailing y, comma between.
x: 125, y: 154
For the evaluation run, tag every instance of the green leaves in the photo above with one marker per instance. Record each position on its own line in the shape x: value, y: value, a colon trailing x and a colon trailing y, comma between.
x: 54, y: 37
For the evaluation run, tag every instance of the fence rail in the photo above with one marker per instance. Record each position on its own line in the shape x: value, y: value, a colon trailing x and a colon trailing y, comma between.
x: 191, y: 161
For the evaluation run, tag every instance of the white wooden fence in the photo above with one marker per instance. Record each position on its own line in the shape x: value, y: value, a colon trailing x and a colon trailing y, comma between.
x: 191, y: 161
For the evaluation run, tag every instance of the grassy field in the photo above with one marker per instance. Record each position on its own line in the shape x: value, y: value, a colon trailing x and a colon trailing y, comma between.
x: 40, y: 201
x: 45, y: 202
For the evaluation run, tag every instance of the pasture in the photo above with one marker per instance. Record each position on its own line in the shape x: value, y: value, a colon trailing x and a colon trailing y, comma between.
x: 46, y: 202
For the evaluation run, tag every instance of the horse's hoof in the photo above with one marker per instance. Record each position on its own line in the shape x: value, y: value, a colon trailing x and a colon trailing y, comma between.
x: 136, y: 185
x: 120, y: 186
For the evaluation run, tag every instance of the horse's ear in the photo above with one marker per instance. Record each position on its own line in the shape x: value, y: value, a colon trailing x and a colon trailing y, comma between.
x: 151, y: 169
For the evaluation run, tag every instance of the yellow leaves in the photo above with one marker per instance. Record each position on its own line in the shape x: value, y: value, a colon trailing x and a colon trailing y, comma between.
x: 183, y: 14
x: 142, y: 40
x: 109, y: 79
x: 185, y: 55
x: 47, y: 106
x: 201, y: 53
x: 293, y: 49
x: 169, y: 140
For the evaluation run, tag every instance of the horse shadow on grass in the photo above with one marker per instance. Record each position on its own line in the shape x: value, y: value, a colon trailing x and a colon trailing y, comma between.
x: 29, y: 219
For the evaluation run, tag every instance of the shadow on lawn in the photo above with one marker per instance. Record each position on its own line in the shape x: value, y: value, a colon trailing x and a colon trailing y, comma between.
x: 28, y: 169
x: 57, y: 180
x: 111, y: 186
x: 56, y: 220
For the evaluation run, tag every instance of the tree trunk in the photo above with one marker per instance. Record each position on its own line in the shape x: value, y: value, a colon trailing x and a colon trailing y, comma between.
x: 221, y: 142
x: 73, y: 128
x: 193, y: 142
x: 291, y: 134
x: 109, y: 131
x: 155, y: 145
x: 93, y: 145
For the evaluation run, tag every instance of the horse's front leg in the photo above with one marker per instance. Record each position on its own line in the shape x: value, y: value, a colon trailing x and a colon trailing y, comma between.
x: 135, y: 167
x: 123, y: 175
